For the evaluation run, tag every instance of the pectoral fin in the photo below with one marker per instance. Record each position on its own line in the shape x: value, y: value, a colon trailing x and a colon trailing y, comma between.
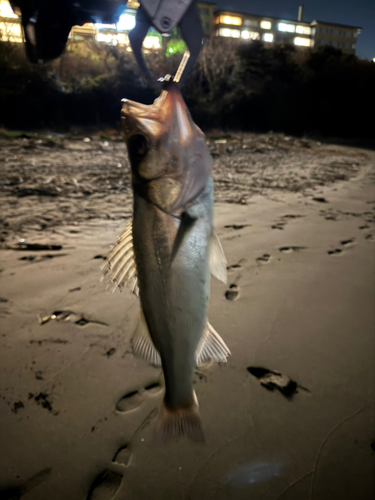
x: 142, y: 343
x: 186, y: 225
x: 211, y: 347
x: 121, y: 262
x: 217, y: 260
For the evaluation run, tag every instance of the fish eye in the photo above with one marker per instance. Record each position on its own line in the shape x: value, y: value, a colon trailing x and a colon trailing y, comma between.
x: 138, y: 147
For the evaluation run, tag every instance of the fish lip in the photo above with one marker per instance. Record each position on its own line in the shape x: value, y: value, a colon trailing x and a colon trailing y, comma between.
x: 157, y: 117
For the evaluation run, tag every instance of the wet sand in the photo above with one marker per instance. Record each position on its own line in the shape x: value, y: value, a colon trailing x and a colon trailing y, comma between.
x: 289, y: 417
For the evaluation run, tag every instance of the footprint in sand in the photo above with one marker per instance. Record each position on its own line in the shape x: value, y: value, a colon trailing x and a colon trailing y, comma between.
x: 335, y: 251
x: 347, y: 242
x: 291, y: 249
x: 123, y: 455
x: 232, y: 293
x: 264, y: 258
x: 236, y: 226
x: 284, y: 219
x: 133, y: 400
x: 364, y: 227
x: 236, y: 266
x: 369, y: 237
x: 344, y: 243
x: 19, y: 492
x: 105, y: 486
x: 292, y: 216
x: 320, y: 199
x: 70, y: 316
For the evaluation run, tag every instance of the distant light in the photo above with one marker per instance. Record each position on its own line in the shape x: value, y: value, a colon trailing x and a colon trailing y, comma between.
x: 6, y: 10
x: 252, y: 35
x: 227, y: 32
x: 152, y: 42
x: 237, y: 21
x: 303, y: 30
x: 304, y: 42
x: 106, y: 38
x: 266, y: 25
x: 122, y: 39
x: 373, y: 59
x: 290, y: 28
x: 11, y: 32
x: 126, y: 22
x: 268, y: 37
x: 132, y: 4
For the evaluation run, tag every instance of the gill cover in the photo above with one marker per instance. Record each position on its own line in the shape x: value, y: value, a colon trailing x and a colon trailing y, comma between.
x: 170, y: 161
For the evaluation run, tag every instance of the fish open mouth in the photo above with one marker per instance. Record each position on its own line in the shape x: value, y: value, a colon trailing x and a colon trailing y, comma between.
x: 167, y: 112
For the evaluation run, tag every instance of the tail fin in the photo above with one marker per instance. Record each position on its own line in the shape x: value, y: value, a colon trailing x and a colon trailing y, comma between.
x: 173, y: 423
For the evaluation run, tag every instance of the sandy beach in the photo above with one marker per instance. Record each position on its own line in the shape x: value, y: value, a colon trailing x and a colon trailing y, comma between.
x: 289, y: 417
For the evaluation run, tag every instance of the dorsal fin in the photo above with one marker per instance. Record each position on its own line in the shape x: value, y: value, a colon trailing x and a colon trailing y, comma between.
x: 211, y: 347
x: 121, y: 262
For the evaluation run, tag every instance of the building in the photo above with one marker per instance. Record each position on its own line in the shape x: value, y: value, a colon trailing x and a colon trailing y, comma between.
x: 206, y: 14
x: 275, y: 29
x: 265, y: 28
x: 222, y: 23
x: 10, y: 24
x: 336, y: 35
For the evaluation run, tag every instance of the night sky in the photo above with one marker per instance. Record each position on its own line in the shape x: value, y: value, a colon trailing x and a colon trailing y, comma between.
x: 352, y: 12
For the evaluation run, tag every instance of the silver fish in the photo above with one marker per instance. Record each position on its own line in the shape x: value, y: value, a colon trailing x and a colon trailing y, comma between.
x: 168, y: 252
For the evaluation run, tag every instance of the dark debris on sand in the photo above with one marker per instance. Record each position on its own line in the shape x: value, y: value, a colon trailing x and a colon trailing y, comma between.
x: 61, y: 181
x: 274, y: 380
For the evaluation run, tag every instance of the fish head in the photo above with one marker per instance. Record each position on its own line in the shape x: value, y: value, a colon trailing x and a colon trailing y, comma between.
x: 170, y: 162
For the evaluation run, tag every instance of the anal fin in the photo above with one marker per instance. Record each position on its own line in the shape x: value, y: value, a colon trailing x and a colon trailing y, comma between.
x: 211, y: 347
x: 142, y: 343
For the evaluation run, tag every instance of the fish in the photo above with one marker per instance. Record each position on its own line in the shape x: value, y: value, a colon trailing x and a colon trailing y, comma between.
x: 168, y: 251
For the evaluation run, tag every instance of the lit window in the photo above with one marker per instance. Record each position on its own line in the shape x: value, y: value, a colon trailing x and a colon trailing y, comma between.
x: 237, y: 21
x: 10, y: 32
x: 268, y: 37
x: 229, y: 33
x: 132, y: 4
x: 6, y: 10
x: 122, y: 39
x: 151, y: 42
x: 290, y: 28
x: 266, y: 25
x: 106, y: 38
x: 250, y: 35
x: 112, y: 38
x: 126, y: 22
x: 304, y: 42
x: 303, y: 30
